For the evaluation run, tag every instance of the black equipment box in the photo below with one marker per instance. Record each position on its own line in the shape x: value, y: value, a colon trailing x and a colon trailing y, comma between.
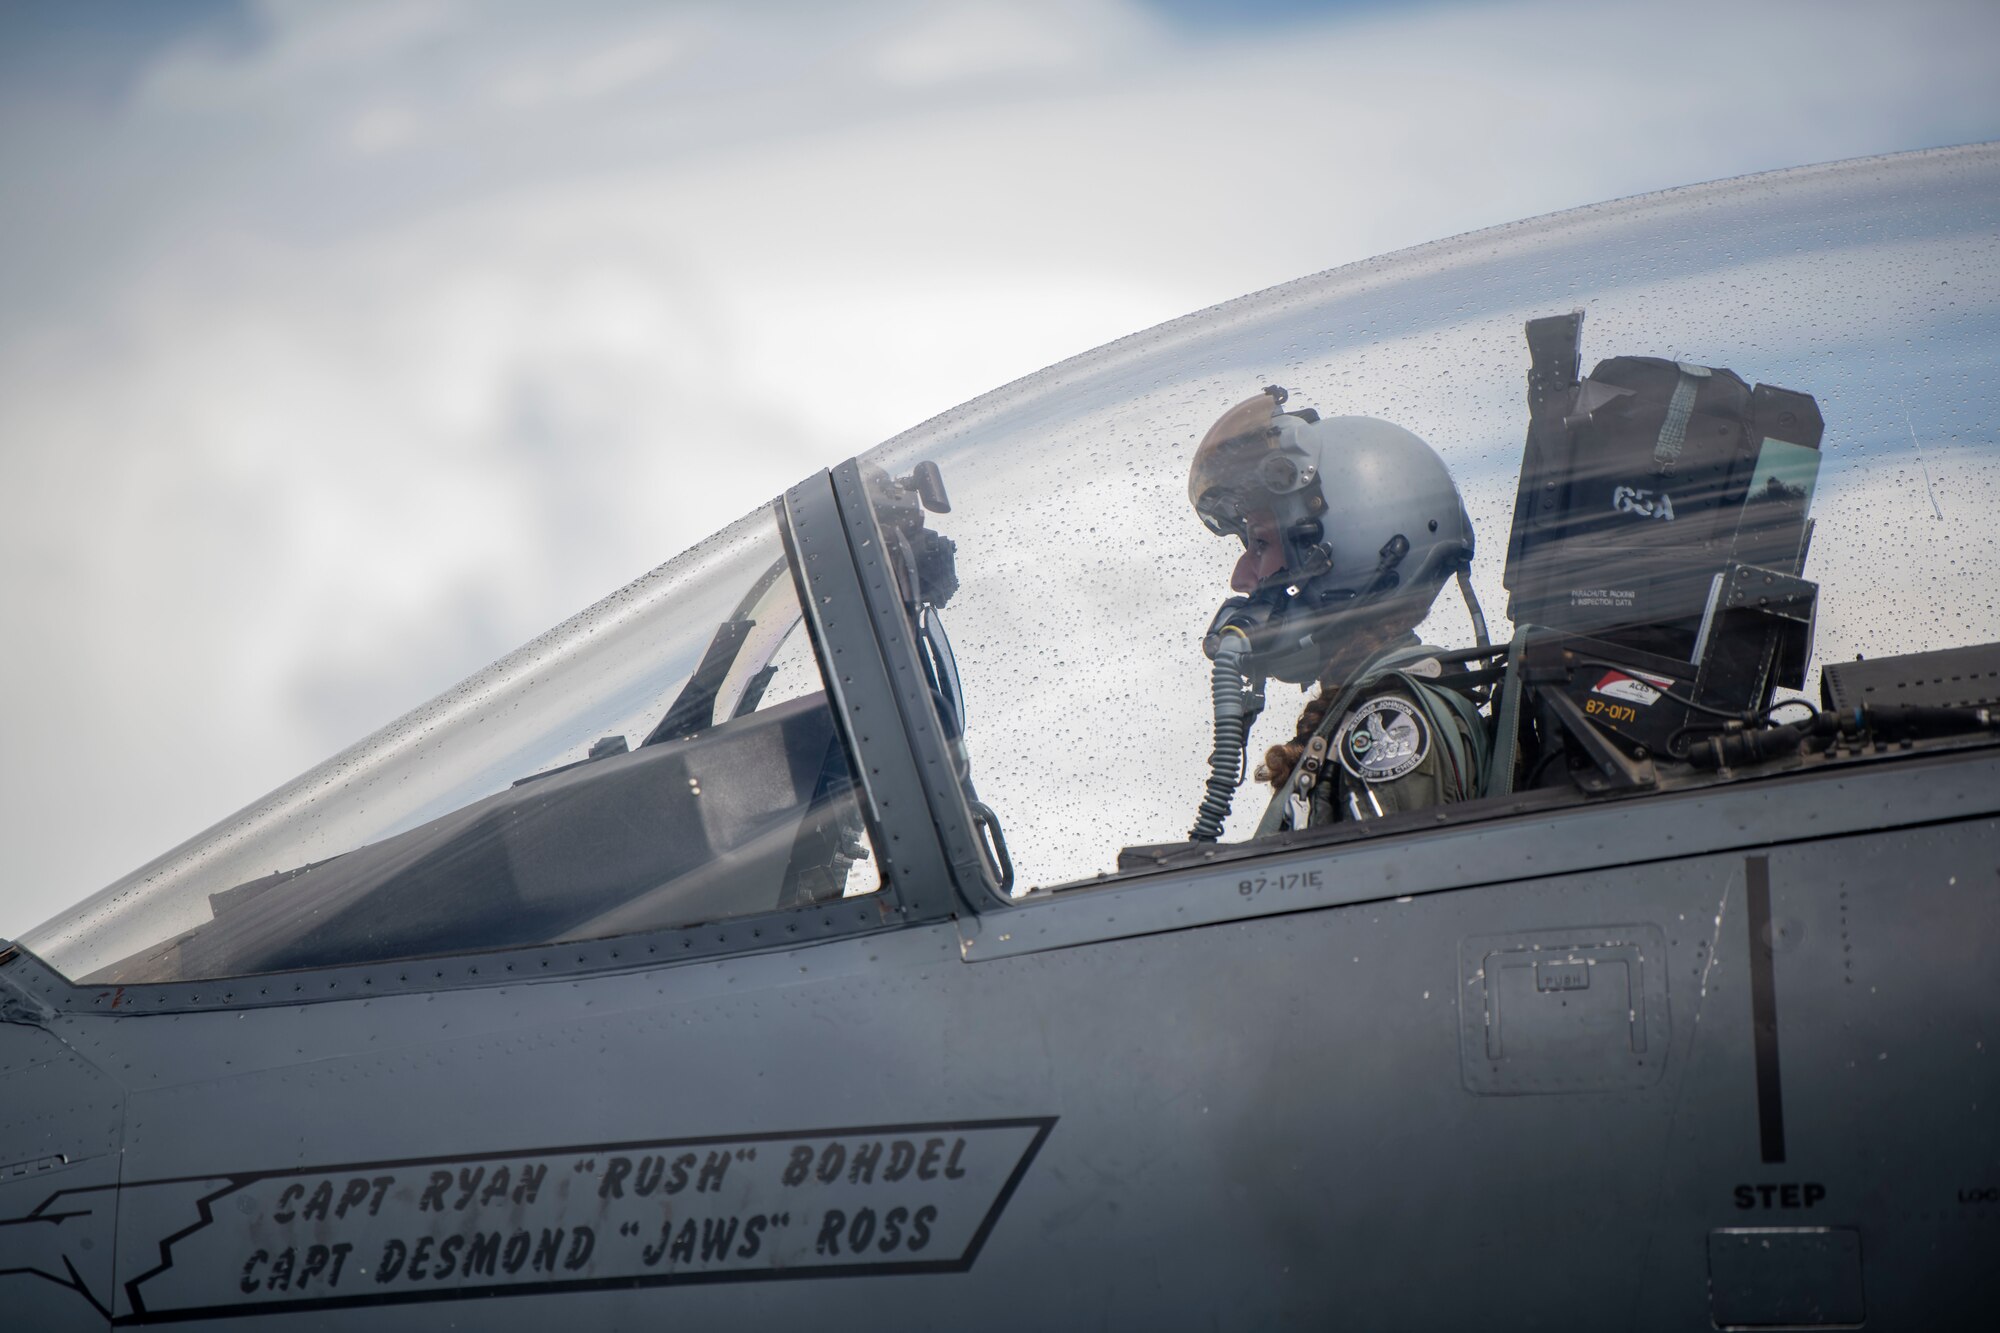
x: 1946, y: 678
x: 1635, y: 698
x: 1643, y: 482
x: 1755, y: 635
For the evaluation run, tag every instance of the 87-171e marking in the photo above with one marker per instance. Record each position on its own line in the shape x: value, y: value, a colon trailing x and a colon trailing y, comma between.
x: 1296, y: 879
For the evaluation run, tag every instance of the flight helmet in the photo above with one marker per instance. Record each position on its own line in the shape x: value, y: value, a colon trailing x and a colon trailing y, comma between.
x: 1368, y: 519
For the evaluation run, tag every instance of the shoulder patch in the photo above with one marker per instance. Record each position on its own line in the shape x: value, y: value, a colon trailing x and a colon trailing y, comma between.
x: 1383, y: 739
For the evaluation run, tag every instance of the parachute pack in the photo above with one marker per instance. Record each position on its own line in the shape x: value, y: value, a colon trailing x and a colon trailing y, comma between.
x: 1661, y: 524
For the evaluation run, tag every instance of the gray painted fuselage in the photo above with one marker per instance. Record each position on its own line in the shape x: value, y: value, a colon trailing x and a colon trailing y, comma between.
x: 1297, y: 1088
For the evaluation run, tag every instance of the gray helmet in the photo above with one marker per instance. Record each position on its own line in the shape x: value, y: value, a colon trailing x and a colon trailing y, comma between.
x: 1370, y: 522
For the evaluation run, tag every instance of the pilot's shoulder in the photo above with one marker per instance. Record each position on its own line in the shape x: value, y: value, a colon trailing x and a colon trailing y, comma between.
x: 1400, y: 670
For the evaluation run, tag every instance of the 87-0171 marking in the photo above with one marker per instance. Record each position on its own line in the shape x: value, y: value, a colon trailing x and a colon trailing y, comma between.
x: 1615, y: 712
x: 1295, y: 879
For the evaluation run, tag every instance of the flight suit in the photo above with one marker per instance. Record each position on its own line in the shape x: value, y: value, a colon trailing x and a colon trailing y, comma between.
x: 1392, y: 741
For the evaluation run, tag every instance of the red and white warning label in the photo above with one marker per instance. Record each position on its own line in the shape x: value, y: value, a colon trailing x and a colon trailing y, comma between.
x: 1634, y: 687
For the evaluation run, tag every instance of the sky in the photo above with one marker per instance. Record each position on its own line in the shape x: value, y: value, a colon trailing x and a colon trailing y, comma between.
x: 344, y: 347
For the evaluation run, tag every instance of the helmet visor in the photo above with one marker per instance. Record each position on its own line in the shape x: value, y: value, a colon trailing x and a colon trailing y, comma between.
x: 1226, y: 482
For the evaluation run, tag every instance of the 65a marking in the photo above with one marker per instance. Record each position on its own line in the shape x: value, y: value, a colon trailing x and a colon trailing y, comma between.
x: 1294, y: 879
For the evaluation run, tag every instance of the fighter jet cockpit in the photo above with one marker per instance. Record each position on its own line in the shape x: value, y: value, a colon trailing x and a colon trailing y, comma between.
x: 1512, y: 523
x: 1428, y: 544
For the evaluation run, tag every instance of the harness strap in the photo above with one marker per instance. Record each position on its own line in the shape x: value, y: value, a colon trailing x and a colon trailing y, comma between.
x: 1507, y: 721
x: 1674, y: 429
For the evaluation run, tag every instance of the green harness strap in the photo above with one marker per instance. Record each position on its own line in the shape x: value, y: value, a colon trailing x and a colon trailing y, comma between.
x: 1507, y: 719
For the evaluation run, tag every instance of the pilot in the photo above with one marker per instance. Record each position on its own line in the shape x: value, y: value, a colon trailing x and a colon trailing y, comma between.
x: 1350, y: 527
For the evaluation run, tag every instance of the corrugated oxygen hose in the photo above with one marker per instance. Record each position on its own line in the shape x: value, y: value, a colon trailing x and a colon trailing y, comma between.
x: 1232, y: 725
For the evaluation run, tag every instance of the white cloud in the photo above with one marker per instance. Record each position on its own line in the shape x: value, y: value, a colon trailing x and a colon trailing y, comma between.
x: 964, y: 41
